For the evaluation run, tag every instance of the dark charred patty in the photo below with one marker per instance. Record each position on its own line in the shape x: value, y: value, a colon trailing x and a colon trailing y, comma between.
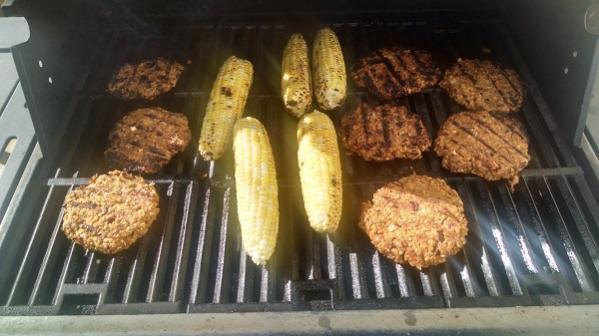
x: 145, y: 140
x: 493, y: 146
x: 483, y: 85
x: 384, y: 132
x: 395, y: 72
x: 417, y: 220
x: 146, y: 80
x: 110, y: 213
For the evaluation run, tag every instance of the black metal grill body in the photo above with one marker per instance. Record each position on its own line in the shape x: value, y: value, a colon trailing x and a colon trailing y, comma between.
x: 536, y: 245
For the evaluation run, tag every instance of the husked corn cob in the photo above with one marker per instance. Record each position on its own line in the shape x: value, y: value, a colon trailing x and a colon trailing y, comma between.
x: 257, y: 191
x: 330, y: 79
x: 320, y: 171
x: 295, y: 80
x: 226, y: 105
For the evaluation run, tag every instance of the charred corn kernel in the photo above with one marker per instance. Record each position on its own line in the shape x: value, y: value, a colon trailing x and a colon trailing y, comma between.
x: 295, y: 80
x: 226, y: 104
x: 330, y: 79
x: 257, y: 191
x: 320, y: 171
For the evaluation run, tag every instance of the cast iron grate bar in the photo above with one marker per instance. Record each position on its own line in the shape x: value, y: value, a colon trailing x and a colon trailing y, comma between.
x: 382, y: 289
x: 482, y: 252
x: 178, y: 280
x: 43, y: 276
x: 199, y: 275
x: 159, y: 269
x: 131, y: 289
x: 220, y: 290
x: 91, y: 269
x: 518, y: 230
x: 546, y: 211
x: 534, y: 217
x: 582, y: 226
x: 498, y: 234
x: 67, y: 270
x: 470, y: 285
x: 581, y: 269
x: 405, y: 282
x: 28, y: 261
x: 293, y: 274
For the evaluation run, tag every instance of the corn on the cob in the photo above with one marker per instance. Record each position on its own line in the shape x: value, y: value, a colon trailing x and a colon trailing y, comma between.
x: 226, y: 104
x: 330, y: 79
x: 320, y: 171
x: 257, y: 191
x: 295, y: 80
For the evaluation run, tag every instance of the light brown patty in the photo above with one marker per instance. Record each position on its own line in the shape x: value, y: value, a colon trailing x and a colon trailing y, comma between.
x: 384, y: 132
x: 493, y: 146
x: 484, y: 85
x: 146, y: 79
x: 110, y: 213
x: 416, y: 220
x: 395, y: 72
x: 146, y: 139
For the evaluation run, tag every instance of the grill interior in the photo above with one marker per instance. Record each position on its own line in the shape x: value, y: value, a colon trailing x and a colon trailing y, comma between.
x: 534, y: 246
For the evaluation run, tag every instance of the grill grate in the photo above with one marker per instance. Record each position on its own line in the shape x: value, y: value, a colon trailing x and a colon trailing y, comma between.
x: 535, y: 246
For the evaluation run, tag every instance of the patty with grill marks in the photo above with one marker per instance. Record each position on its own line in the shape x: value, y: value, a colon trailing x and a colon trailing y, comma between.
x: 147, y: 79
x: 145, y: 140
x: 390, y: 73
x: 417, y: 220
x: 110, y: 213
x: 384, y: 132
x: 484, y: 85
x: 491, y: 145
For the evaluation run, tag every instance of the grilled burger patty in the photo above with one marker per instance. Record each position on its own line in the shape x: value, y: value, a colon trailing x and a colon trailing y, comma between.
x: 416, y: 220
x: 384, y: 132
x: 110, y: 213
x: 146, y: 139
x: 146, y: 79
x: 490, y: 145
x: 395, y: 72
x: 483, y: 85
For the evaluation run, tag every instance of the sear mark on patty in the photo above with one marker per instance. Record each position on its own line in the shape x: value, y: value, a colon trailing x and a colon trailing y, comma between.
x: 491, y: 145
x: 390, y: 73
x: 484, y: 85
x: 384, y: 132
x: 145, y: 140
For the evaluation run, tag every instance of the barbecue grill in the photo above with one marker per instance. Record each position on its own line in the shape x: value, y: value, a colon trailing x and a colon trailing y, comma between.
x: 534, y: 246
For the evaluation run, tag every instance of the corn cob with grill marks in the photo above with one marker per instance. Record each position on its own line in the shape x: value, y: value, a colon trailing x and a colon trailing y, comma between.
x: 320, y: 171
x: 226, y: 104
x: 295, y: 80
x: 329, y: 77
x: 257, y: 191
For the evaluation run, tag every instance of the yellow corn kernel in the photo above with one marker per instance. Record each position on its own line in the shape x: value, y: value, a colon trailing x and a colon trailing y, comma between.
x: 226, y: 104
x: 320, y: 171
x: 328, y: 65
x: 257, y: 191
x: 295, y: 79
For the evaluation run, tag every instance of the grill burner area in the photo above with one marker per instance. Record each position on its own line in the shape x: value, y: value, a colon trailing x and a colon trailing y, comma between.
x: 535, y: 246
